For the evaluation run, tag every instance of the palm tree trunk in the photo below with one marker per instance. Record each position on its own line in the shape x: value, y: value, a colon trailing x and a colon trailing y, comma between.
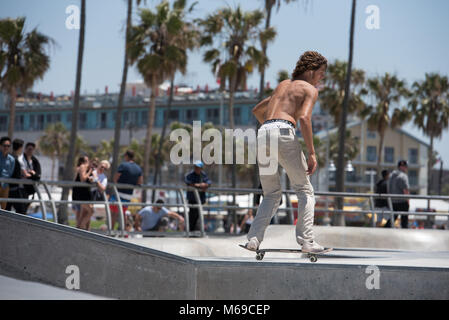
x: 118, y: 117
x: 340, y: 178
x: 147, y: 152
x: 429, y: 170
x: 268, y: 8
x: 161, y: 142
x: 381, y: 146
x: 12, y: 111
x: 68, y: 170
x: 232, y: 87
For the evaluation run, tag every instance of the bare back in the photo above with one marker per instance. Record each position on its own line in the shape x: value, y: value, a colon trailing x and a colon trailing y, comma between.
x: 287, y: 100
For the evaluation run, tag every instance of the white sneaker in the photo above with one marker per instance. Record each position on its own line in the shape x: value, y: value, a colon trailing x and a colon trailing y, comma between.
x: 311, y: 246
x: 252, y: 244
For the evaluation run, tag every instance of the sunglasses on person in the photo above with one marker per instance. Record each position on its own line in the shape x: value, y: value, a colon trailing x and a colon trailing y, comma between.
x: 6, y: 145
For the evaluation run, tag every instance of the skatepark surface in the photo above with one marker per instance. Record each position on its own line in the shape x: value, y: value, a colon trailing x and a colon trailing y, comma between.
x: 410, y: 264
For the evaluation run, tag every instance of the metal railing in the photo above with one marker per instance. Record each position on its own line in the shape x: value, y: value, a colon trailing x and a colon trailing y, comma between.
x: 184, y: 205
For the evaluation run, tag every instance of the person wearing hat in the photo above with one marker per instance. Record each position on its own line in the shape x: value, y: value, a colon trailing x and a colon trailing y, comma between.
x: 196, y: 178
x: 398, y: 184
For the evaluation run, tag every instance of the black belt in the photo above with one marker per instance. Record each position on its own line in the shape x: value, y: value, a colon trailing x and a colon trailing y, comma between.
x: 280, y: 120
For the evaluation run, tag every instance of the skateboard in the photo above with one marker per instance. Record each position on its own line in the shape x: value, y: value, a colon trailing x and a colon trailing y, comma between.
x: 312, y: 256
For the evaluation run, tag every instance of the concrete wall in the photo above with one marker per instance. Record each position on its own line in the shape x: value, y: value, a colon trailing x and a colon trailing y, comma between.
x: 37, y: 250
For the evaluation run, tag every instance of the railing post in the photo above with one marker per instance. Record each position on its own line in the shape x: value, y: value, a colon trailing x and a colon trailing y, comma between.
x: 374, y: 215
x: 120, y: 211
x: 52, y: 202
x: 186, y: 214
x: 39, y: 195
x: 108, y: 213
x: 390, y: 206
x: 200, y: 211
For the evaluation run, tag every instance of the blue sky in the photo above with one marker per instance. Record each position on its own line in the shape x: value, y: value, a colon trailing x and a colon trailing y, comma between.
x: 411, y: 41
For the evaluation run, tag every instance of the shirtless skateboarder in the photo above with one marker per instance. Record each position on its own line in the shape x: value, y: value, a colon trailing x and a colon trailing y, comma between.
x: 291, y: 101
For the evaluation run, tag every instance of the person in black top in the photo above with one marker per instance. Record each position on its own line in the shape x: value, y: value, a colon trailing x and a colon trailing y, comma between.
x: 83, y: 174
x: 31, y: 168
x: 16, y: 190
x: 382, y: 203
x: 196, y: 178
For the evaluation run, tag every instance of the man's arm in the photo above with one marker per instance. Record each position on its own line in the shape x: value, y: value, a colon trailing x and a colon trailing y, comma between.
x: 116, y: 177
x: 305, y: 120
x: 260, y: 109
x: 140, y: 180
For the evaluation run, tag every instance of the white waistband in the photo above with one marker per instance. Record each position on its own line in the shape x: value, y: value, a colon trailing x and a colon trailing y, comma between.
x: 274, y: 125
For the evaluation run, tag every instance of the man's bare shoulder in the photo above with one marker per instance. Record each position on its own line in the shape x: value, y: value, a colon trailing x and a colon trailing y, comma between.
x: 303, y: 89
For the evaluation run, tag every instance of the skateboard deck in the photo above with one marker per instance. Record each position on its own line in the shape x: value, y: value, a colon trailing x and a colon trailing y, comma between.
x: 312, y: 256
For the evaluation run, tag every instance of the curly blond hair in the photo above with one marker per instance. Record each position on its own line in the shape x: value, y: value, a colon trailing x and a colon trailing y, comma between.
x: 309, y: 60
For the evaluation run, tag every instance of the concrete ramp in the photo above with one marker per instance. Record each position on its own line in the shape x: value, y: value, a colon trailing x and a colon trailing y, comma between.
x: 36, y: 250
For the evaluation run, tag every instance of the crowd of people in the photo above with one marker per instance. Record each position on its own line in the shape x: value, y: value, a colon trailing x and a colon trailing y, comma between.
x: 395, y: 182
x: 17, y: 161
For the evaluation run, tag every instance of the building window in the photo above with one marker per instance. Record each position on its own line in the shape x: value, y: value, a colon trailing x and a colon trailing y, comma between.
x: 172, y: 115
x: 371, y: 134
x: 371, y: 153
x: 413, y: 177
x: 103, y: 120
x: 413, y: 155
x: 191, y: 114
x: 19, y: 123
x: 389, y: 155
x: 40, y: 122
x: 213, y: 115
x: 237, y: 117
x: 83, y: 120
x: 3, y: 123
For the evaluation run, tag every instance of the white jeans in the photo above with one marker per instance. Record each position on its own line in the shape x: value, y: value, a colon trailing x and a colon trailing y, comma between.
x: 290, y: 156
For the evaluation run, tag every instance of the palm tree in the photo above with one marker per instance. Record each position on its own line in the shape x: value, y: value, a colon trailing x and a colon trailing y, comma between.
x: 237, y: 31
x: 187, y: 40
x: 386, y: 90
x: 118, y: 118
x: 53, y: 143
x: 68, y: 170
x: 151, y: 48
x: 268, y: 7
x: 23, y: 60
x: 430, y: 108
x: 332, y: 96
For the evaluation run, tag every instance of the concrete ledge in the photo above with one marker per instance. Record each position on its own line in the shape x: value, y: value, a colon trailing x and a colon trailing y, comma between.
x: 32, y: 249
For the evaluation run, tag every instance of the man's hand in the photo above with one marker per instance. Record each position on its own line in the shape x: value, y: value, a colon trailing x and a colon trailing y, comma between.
x: 311, y: 164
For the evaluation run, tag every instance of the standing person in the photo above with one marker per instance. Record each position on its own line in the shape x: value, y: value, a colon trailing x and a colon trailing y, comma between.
x: 292, y: 101
x: 398, y: 184
x: 16, y: 190
x: 7, y: 163
x: 100, y: 181
x: 31, y: 168
x: 83, y: 173
x: 196, y: 178
x: 247, y: 221
x: 382, y: 203
x: 128, y: 172
x: 155, y: 218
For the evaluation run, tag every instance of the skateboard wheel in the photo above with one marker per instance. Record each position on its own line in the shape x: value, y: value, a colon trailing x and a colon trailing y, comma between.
x: 259, y: 256
x: 313, y: 259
